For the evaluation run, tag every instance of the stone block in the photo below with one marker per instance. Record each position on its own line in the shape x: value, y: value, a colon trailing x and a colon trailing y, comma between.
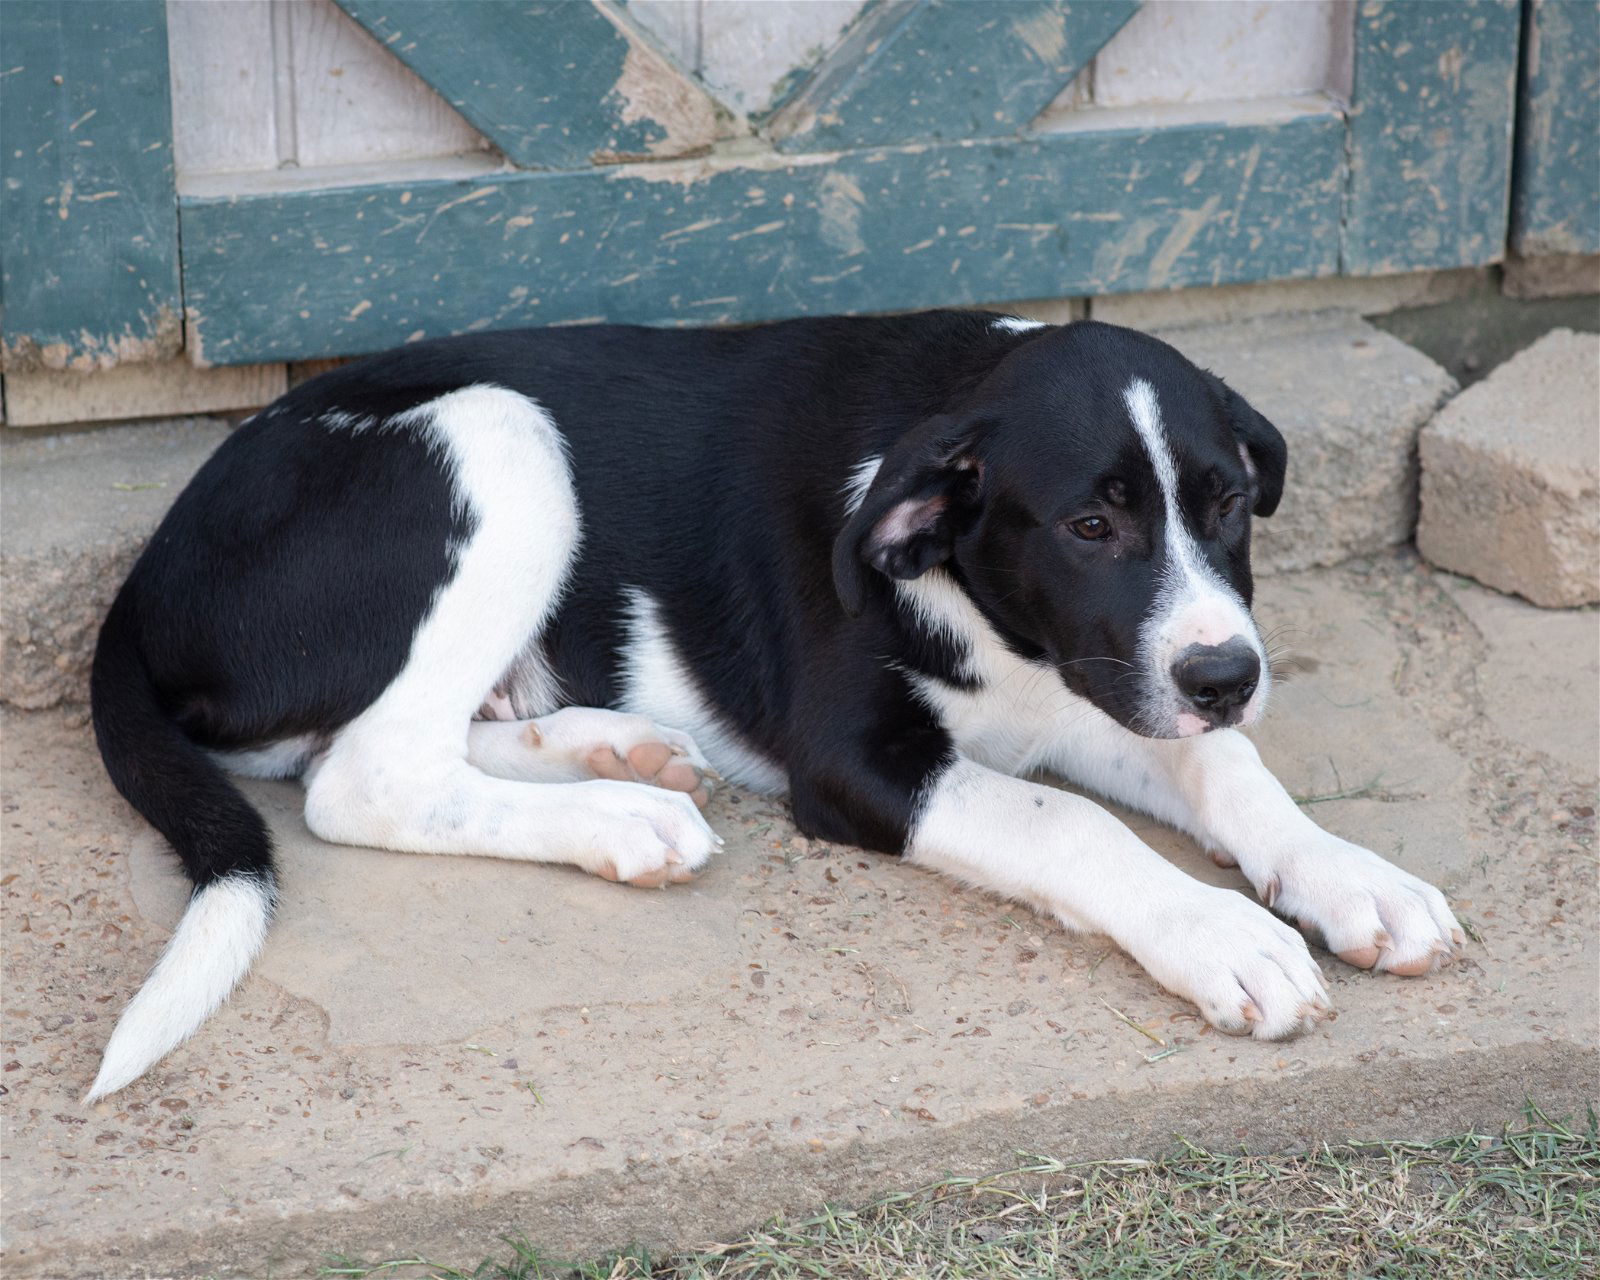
x: 78, y: 508
x: 1511, y: 475
x: 1350, y: 400
x: 1555, y: 275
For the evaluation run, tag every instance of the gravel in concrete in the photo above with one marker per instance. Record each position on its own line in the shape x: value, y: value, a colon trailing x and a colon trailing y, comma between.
x: 1511, y: 475
x: 1350, y: 400
x: 435, y: 1052
x: 78, y: 509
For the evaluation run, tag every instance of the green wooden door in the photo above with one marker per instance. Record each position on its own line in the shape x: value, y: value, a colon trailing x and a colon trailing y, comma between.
x: 910, y: 167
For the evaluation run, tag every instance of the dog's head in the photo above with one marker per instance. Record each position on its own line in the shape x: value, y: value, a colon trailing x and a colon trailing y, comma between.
x: 1093, y: 499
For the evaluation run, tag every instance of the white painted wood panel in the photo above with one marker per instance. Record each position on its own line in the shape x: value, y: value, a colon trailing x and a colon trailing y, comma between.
x: 1190, y: 51
x: 748, y: 48
x: 263, y: 84
x: 356, y: 103
x: 745, y: 50
x: 222, y: 92
x: 675, y: 24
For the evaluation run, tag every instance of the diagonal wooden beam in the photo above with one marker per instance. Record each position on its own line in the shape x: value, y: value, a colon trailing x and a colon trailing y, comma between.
x: 922, y: 70
x: 556, y: 85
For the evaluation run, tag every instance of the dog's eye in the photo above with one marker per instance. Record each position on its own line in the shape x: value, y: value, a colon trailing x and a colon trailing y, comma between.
x: 1230, y: 504
x: 1090, y: 528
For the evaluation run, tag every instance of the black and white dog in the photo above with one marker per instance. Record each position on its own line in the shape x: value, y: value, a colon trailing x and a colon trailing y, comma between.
x: 515, y: 594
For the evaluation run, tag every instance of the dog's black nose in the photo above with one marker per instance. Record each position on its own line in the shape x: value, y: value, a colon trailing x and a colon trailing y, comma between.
x: 1218, y: 678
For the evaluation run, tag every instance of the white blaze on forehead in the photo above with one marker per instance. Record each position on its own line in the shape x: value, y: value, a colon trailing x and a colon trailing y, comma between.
x: 1193, y: 605
x: 1140, y: 397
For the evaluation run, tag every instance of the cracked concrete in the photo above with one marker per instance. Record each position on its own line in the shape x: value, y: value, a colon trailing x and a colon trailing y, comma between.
x: 434, y: 1052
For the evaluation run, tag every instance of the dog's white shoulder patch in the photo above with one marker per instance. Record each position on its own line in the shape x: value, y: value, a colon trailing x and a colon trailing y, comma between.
x: 861, y: 477
x: 656, y: 682
x: 1016, y: 324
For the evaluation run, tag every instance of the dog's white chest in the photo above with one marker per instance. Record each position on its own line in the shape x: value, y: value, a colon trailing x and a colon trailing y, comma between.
x: 1014, y: 720
x: 1012, y: 723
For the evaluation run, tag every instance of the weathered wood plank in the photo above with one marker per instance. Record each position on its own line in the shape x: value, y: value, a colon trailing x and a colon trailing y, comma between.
x: 88, y: 215
x: 911, y: 70
x: 314, y: 273
x: 555, y: 85
x: 1555, y: 208
x: 158, y: 389
x: 1430, y: 134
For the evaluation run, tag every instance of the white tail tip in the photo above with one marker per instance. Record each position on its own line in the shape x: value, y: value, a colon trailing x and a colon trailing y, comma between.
x: 214, y: 944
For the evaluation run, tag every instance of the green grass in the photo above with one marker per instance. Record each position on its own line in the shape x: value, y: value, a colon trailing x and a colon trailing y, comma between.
x: 1521, y: 1204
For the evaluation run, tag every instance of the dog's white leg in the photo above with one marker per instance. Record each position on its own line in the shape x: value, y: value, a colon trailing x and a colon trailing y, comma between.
x: 576, y: 744
x: 398, y: 776
x: 1214, y: 786
x: 1248, y: 972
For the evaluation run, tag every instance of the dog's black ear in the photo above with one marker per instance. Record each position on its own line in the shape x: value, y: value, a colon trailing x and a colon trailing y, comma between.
x: 909, y: 516
x: 1265, y: 452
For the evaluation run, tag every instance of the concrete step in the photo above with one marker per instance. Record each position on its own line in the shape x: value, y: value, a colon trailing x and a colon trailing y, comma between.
x: 78, y: 509
x: 1349, y: 398
x: 435, y: 1052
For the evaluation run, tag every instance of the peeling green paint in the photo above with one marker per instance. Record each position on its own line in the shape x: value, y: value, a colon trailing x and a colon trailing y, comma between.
x: 912, y: 70
x: 1430, y: 134
x: 360, y: 269
x: 1556, y: 205
x: 88, y: 215
x: 555, y: 85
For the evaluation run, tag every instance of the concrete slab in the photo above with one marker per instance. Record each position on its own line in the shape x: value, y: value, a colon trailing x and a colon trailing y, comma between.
x: 1511, y: 475
x: 1541, y: 682
x: 78, y: 509
x: 435, y: 1052
x: 1350, y: 400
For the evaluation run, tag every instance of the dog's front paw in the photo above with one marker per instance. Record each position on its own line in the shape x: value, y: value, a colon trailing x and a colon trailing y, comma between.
x: 1369, y: 912
x: 1249, y: 973
x: 647, y: 837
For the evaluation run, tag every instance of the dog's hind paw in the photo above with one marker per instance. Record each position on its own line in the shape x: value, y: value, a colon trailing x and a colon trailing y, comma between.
x: 619, y: 747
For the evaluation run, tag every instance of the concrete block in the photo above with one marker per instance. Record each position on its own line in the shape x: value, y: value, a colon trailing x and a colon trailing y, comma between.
x: 1224, y: 304
x: 1556, y: 275
x: 1511, y: 475
x: 163, y: 389
x: 1350, y: 400
x: 78, y: 508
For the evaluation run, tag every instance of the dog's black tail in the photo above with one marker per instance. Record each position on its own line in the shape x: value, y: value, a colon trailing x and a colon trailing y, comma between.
x: 223, y: 842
